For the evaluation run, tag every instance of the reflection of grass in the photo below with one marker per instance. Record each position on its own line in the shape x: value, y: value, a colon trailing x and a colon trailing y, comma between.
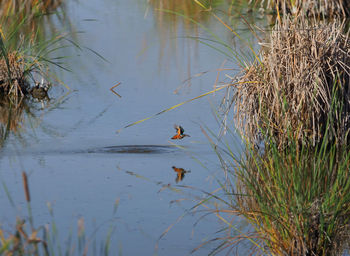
x: 188, y: 8
x: 28, y: 8
x: 298, y: 200
x: 29, y: 12
x: 11, y: 116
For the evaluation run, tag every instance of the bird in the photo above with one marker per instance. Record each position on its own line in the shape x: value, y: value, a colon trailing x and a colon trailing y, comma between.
x: 39, y: 91
x: 180, y: 173
x: 179, y: 133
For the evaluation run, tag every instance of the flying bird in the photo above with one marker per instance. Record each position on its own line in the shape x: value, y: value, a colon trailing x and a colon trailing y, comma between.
x: 179, y: 133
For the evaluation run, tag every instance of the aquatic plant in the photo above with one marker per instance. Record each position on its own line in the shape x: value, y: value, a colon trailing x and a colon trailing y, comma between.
x: 298, y: 86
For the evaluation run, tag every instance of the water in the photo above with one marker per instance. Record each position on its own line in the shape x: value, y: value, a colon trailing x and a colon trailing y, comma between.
x: 78, y: 163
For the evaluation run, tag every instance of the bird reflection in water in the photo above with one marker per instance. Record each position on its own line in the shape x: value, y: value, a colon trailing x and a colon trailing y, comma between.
x: 180, y: 173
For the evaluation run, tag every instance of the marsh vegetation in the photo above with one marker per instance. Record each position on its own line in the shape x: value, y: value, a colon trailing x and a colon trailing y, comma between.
x: 291, y: 108
x: 288, y: 183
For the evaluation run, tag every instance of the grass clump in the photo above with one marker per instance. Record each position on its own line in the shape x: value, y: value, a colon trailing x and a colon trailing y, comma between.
x: 299, y: 86
x: 25, y: 59
x: 27, y: 45
x: 12, y: 74
x: 298, y: 200
x: 323, y: 8
x: 24, y: 66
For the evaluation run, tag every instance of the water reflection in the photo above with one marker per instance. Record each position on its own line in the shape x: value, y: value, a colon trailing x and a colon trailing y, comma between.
x: 84, y: 174
x: 11, y: 113
x: 296, y: 200
x: 169, y: 14
x: 31, y: 20
x: 180, y: 173
x: 17, y: 112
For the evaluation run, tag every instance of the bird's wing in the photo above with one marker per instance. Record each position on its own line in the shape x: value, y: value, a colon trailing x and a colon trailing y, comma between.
x: 181, y: 130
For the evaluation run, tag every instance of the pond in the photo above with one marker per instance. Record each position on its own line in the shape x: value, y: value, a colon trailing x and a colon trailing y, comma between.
x: 77, y: 161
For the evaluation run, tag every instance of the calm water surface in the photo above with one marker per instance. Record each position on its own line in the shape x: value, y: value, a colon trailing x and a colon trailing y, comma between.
x: 74, y: 157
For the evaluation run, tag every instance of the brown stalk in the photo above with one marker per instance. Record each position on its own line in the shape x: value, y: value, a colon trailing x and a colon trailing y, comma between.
x: 26, y: 187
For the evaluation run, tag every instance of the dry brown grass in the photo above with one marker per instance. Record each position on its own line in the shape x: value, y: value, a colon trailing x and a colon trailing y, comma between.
x: 318, y: 8
x: 300, y: 83
x: 12, y: 75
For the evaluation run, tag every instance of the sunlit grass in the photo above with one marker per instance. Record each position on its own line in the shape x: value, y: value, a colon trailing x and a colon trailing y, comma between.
x: 298, y: 86
x: 319, y: 8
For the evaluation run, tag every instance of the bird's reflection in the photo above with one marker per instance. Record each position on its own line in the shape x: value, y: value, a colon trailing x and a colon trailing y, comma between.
x: 180, y: 173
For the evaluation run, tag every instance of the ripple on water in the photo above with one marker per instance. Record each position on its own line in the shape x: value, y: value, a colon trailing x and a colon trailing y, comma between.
x: 134, y: 149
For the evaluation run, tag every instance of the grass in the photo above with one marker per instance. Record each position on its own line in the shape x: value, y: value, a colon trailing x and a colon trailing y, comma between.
x: 291, y: 183
x: 298, y: 199
x: 299, y: 84
x: 24, y: 65
x: 28, y: 41
x: 26, y: 56
x: 318, y: 8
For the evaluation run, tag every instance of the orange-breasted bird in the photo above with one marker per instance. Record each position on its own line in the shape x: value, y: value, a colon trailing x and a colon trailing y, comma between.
x: 179, y: 133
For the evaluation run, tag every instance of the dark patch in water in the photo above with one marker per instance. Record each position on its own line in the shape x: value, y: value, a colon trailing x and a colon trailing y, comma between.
x: 122, y: 149
x: 133, y: 149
